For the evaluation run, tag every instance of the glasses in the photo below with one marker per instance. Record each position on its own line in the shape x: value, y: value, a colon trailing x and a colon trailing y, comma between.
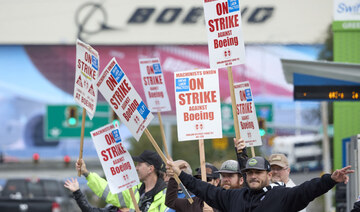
x: 278, y: 169
x: 208, y: 179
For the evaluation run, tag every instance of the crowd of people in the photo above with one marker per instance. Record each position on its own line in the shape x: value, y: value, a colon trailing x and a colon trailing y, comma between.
x: 246, y: 184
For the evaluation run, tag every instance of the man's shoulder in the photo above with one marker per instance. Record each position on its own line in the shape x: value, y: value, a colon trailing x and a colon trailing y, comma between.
x: 290, y: 183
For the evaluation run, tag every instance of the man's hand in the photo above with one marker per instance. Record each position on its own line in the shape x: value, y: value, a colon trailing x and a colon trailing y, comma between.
x: 81, y: 166
x: 207, y: 208
x: 340, y: 175
x: 239, y: 144
x: 171, y: 166
x: 181, y: 164
x: 72, y: 185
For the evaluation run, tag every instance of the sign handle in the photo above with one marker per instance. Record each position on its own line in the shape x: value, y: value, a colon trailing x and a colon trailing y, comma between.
x: 187, y: 195
x: 82, y: 138
x: 233, y: 103
x: 202, y: 160
x: 202, y: 164
x: 137, y: 209
x: 252, y: 151
x: 158, y: 150
x: 163, y: 135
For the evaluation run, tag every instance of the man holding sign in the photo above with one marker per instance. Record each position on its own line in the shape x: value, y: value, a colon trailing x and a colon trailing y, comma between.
x: 149, y: 194
x: 260, y: 195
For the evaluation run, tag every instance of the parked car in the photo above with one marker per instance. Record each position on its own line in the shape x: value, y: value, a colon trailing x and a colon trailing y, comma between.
x: 36, y: 195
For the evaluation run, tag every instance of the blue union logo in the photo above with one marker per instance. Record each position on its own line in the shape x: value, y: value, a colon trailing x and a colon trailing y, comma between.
x: 248, y: 94
x: 233, y: 5
x: 182, y: 84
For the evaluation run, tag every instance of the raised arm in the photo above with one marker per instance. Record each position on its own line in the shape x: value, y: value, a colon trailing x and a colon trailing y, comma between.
x: 299, y: 196
x: 215, y: 197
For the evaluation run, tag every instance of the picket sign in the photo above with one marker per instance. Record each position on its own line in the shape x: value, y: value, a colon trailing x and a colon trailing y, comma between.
x: 223, y: 26
x: 85, y: 91
x: 246, y: 113
x: 116, y: 161
x: 157, y: 98
x: 198, y: 111
x: 198, y: 108
x: 153, y: 82
x: 118, y: 91
x: 233, y: 104
x: 225, y: 42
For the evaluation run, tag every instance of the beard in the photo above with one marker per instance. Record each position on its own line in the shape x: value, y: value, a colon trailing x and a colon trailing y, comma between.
x: 256, y: 184
x: 226, y: 186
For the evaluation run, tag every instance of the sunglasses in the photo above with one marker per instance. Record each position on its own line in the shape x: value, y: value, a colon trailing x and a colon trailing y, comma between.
x: 208, y: 179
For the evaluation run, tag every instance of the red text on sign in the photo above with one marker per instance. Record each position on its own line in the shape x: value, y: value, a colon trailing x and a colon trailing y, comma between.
x: 228, y: 41
x: 156, y: 94
x: 197, y: 97
x: 198, y: 116
x: 121, y: 168
x: 120, y: 94
x: 85, y: 68
x: 196, y: 84
x: 247, y: 125
x: 153, y: 80
x: 244, y: 108
x: 242, y: 95
x: 223, y: 23
x: 129, y: 112
x: 109, y: 138
x: 88, y: 58
x: 113, y: 151
x: 222, y: 8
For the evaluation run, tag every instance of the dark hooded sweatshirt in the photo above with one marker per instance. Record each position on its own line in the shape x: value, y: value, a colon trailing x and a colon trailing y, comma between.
x: 269, y: 199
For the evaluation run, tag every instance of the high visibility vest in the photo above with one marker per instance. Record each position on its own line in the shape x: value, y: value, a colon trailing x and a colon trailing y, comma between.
x: 123, y: 200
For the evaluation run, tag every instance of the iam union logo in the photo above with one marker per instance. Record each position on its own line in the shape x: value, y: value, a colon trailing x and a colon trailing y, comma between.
x: 227, y: 53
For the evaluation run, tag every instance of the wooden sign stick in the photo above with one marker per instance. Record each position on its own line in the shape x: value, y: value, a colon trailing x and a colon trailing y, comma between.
x: 233, y: 103
x: 82, y: 138
x: 137, y: 209
x: 163, y: 135
x: 202, y: 160
x: 158, y: 150
x: 168, y: 157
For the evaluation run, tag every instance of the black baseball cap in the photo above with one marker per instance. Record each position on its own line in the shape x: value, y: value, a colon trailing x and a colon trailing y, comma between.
x: 151, y: 158
x: 211, y: 171
x: 257, y: 163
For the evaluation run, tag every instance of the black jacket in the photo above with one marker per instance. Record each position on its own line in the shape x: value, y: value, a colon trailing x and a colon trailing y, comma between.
x: 356, y: 207
x: 269, y: 199
x: 181, y: 204
x: 86, y: 207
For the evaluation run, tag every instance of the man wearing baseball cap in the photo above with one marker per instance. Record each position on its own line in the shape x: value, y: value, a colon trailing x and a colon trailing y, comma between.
x: 230, y: 175
x: 259, y: 195
x: 280, y: 169
x: 149, y: 194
